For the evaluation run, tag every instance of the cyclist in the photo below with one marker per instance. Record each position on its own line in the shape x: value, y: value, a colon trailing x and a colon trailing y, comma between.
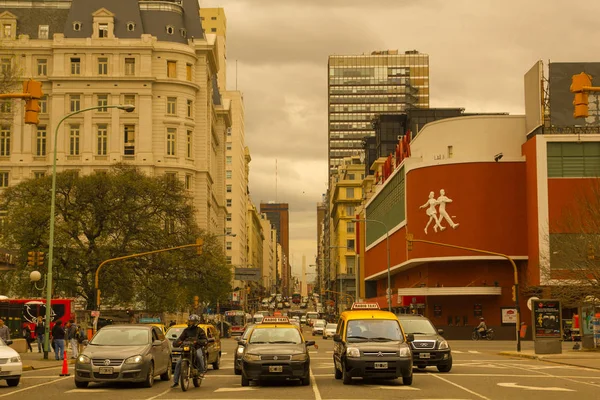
x: 196, y: 334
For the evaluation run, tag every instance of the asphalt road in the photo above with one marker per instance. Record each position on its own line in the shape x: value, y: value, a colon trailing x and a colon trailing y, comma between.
x: 478, y: 373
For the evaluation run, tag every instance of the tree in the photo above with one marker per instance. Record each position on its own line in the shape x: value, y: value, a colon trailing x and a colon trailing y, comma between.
x: 574, y: 246
x: 108, y: 215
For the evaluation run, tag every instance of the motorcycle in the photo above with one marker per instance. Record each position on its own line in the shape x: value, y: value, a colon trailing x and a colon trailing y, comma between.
x: 488, y: 334
x: 188, y: 366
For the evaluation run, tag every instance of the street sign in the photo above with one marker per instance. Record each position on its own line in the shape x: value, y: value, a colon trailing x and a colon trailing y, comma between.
x: 247, y: 274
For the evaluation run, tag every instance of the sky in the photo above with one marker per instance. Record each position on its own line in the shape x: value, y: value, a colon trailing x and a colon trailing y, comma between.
x: 478, y: 51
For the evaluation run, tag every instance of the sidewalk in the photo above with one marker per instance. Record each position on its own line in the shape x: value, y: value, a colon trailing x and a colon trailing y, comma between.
x: 576, y: 358
x: 35, y: 360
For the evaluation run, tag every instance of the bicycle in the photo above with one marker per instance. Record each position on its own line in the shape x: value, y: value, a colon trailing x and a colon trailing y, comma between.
x: 188, y: 366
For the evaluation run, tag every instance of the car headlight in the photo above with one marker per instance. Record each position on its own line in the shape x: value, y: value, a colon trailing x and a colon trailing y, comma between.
x: 134, y: 360
x: 352, y: 352
x: 251, y: 357
x: 240, y: 349
x: 83, y: 359
x: 405, y: 351
x: 14, y: 359
x: 443, y: 345
x: 299, y: 357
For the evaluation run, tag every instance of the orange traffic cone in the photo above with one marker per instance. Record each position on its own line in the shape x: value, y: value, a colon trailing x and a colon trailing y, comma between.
x: 65, y: 366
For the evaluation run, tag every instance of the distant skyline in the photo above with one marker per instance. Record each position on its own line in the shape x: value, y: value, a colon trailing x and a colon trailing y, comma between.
x: 478, y: 53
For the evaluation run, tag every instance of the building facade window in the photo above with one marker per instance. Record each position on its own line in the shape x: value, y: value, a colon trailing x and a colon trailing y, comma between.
x: 102, y: 66
x: 7, y: 31
x: 39, y: 174
x: 130, y: 66
x: 74, y: 138
x: 42, y: 67
x: 5, y: 65
x: 40, y: 141
x: 75, y: 102
x: 189, y: 144
x: 102, y: 140
x: 190, y: 107
x: 171, y: 143
x: 188, y: 72
x: 349, y: 227
x: 130, y: 26
x: 228, y: 245
x: 170, y: 29
x: 228, y: 174
x: 5, y: 141
x: 228, y: 146
x: 43, y: 31
x: 43, y: 103
x: 171, y: 105
x: 228, y: 217
x: 349, y: 193
x: 350, y: 244
x: 75, y: 66
x: 102, y: 101
x: 228, y: 202
x: 129, y: 139
x: 4, y: 179
x: 103, y: 30
x: 77, y: 26
x: 171, y: 69
x: 188, y: 182
x: 229, y: 188
x: 129, y: 100
x: 349, y: 210
x: 229, y: 160
x: 5, y: 106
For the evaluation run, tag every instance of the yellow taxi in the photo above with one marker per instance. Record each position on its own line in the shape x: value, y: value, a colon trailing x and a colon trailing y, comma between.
x: 370, y: 343
x: 276, y: 350
x: 213, y: 348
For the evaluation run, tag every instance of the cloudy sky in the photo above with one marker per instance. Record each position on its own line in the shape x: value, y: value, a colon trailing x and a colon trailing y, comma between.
x: 479, y: 51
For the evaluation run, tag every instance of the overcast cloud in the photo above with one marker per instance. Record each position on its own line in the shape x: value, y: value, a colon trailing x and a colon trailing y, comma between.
x: 478, y: 50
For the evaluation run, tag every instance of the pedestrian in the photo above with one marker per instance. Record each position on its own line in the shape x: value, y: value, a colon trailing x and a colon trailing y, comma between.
x: 72, y: 333
x: 26, y: 331
x: 40, y: 331
x: 4, y: 331
x: 58, y: 337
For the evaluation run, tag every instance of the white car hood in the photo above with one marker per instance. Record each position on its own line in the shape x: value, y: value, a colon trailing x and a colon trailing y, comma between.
x: 7, y: 352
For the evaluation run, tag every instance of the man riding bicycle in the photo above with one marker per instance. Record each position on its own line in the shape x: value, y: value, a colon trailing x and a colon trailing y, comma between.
x: 196, y: 335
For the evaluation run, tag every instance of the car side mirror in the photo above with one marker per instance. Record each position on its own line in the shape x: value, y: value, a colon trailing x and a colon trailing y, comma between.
x: 410, y: 337
x: 337, y: 338
x: 441, y: 331
x: 85, y: 342
x: 238, y: 339
x: 156, y: 342
x: 310, y: 342
x: 8, y: 342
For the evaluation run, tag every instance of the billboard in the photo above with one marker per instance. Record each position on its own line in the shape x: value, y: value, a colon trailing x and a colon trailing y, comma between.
x: 561, y: 99
x: 247, y: 274
x: 534, y: 117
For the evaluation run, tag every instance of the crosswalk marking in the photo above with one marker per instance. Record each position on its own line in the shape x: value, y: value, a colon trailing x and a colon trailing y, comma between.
x: 470, y: 351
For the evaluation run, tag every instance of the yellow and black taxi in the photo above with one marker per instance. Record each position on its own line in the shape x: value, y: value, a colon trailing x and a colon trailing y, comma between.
x: 276, y: 350
x: 370, y: 343
x: 429, y: 348
x: 213, y: 347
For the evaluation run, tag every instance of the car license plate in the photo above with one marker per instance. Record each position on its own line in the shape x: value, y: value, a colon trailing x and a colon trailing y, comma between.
x: 424, y: 355
x: 106, y: 370
x: 381, y: 365
x: 275, y: 368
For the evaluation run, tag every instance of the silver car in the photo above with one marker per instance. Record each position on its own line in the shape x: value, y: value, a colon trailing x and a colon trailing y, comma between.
x: 124, y: 353
x: 329, y: 330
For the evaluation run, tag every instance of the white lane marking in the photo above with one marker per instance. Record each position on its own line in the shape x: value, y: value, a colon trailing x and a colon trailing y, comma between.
x: 325, y: 375
x: 398, y: 387
x: 460, y: 387
x: 456, y: 351
x: 552, y: 389
x: 235, y: 389
x: 556, y: 376
x: 161, y: 394
x: 223, y: 354
x: 313, y: 383
x: 87, y: 390
x: 474, y: 352
x: 481, y: 365
x: 329, y: 352
x: 39, y: 377
x: 35, y: 386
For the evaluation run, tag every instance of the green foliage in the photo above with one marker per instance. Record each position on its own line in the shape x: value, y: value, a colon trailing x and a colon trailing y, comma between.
x: 108, y: 215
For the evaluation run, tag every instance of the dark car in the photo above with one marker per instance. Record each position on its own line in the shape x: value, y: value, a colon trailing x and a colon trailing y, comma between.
x: 124, y: 353
x: 276, y: 351
x: 429, y: 348
x: 239, y: 352
x: 212, y: 350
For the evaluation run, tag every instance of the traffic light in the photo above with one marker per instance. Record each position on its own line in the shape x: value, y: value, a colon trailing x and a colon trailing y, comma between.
x: 409, y: 241
x: 40, y: 258
x: 31, y: 258
x: 32, y: 107
x: 199, y: 243
x: 514, y: 294
x: 579, y: 85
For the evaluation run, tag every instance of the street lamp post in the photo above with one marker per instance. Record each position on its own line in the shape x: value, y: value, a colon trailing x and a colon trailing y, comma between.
x: 128, y: 108
x: 387, y: 243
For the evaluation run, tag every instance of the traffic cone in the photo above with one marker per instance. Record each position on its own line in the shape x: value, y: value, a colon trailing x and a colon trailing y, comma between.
x: 65, y: 366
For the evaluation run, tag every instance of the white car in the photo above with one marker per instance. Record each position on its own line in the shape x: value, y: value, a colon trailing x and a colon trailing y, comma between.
x: 318, y: 327
x: 329, y: 330
x: 12, y: 369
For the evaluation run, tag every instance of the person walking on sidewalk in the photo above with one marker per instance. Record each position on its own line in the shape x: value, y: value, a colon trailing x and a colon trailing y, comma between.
x: 26, y: 331
x: 58, y: 335
x: 40, y: 331
x: 4, y: 331
x: 72, y: 336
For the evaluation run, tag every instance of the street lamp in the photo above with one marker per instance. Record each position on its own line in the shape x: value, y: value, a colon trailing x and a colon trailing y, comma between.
x: 127, y: 108
x: 387, y: 242
x: 34, y: 277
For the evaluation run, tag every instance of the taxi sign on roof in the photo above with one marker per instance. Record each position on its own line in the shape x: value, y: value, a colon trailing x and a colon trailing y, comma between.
x: 365, y: 306
x: 276, y: 320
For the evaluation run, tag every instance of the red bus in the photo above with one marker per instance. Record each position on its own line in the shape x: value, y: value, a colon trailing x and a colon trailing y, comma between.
x: 238, y: 320
x: 15, y: 312
x: 296, y: 298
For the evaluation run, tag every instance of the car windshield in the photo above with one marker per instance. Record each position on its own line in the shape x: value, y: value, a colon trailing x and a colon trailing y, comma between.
x: 418, y: 326
x: 319, y: 323
x: 174, y: 333
x: 247, y: 332
x: 331, y: 326
x: 275, y: 335
x: 121, y: 337
x: 373, y: 330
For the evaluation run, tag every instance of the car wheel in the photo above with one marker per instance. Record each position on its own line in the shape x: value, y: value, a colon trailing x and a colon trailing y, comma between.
x: 306, y: 380
x: 237, y: 371
x: 445, y: 367
x: 217, y: 363
x: 150, y: 377
x: 407, y: 380
x: 421, y: 366
x: 245, y: 381
x: 166, y: 376
x: 15, y: 382
x: 346, y: 378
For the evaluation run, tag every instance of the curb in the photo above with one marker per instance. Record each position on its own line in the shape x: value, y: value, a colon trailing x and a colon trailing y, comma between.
x: 32, y: 368
x: 542, y: 358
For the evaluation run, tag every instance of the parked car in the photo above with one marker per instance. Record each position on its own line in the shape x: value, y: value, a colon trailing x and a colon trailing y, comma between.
x: 213, y: 348
x: 329, y: 331
x: 124, y: 353
x: 12, y: 367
